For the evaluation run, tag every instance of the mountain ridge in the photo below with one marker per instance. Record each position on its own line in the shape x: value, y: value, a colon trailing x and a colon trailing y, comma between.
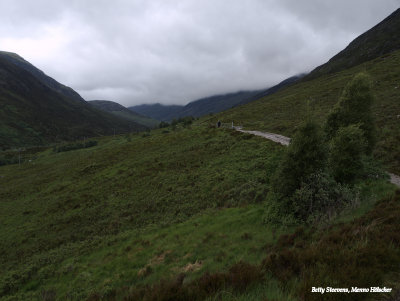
x: 211, y: 104
x: 123, y: 112
x: 50, y: 82
x: 35, y: 113
x: 381, y: 39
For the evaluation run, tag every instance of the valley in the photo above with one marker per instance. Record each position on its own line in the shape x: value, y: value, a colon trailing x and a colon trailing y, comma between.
x: 99, y: 201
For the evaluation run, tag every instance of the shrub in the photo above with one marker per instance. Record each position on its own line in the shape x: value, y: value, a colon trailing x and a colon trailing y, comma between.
x: 74, y: 146
x: 163, y: 124
x: 320, y: 196
x: 185, y: 121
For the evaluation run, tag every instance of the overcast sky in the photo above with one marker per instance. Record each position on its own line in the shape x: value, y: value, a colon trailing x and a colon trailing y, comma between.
x: 173, y: 52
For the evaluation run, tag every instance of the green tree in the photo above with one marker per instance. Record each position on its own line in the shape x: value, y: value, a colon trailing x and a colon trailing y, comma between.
x: 354, y: 107
x: 346, y: 153
x: 305, y: 155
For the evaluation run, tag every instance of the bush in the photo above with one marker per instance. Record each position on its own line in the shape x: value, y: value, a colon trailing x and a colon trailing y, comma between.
x: 346, y: 154
x: 163, y: 124
x: 320, y: 196
x: 185, y: 121
x: 74, y: 146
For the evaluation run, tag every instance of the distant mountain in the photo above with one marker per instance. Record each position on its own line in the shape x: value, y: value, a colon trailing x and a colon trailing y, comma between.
x: 36, y: 109
x: 207, y: 105
x: 379, y: 40
x: 215, y: 104
x: 283, y: 84
x: 123, y: 112
x: 158, y: 111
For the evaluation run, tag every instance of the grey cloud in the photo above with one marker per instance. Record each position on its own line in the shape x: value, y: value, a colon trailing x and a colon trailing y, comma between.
x: 172, y: 51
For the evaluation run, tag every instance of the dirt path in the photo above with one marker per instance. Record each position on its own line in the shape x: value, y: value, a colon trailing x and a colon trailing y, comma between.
x: 271, y: 136
x: 286, y: 140
x: 394, y: 179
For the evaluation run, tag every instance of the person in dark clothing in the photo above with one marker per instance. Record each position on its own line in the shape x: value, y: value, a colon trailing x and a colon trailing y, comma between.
x: 219, y: 124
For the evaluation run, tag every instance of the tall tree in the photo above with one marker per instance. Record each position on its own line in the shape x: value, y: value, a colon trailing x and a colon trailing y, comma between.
x: 354, y: 107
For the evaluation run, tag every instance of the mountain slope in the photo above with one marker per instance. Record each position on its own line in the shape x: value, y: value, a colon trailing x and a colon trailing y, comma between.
x: 32, y: 112
x: 121, y: 111
x: 40, y: 75
x: 379, y: 40
x: 215, y: 104
x: 212, y: 104
x: 157, y: 111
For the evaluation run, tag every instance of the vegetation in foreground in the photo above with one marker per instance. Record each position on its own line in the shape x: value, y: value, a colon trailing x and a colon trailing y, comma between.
x: 121, y: 220
x: 177, y: 214
x: 64, y: 204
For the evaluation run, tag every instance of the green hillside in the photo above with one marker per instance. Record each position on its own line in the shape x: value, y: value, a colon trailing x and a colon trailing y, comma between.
x: 35, y: 113
x: 194, y: 212
x: 283, y: 111
x: 380, y: 40
x: 120, y: 111
x: 64, y: 204
x: 134, y: 210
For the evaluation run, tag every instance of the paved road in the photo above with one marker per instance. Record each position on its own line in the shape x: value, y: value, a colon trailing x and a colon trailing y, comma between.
x: 286, y: 140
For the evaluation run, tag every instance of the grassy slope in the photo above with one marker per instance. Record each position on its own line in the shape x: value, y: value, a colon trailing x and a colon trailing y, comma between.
x: 283, y: 111
x: 137, y: 209
x: 61, y: 202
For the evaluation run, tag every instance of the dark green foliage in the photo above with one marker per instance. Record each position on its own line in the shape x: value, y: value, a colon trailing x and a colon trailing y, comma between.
x: 305, y: 155
x: 128, y: 138
x: 21, y: 155
x: 163, y: 124
x: 185, y: 121
x: 354, y: 107
x: 74, y: 146
x: 320, y: 197
x: 346, y: 154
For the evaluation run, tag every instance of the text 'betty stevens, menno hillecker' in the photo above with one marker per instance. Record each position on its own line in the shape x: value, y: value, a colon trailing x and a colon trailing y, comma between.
x: 372, y: 289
